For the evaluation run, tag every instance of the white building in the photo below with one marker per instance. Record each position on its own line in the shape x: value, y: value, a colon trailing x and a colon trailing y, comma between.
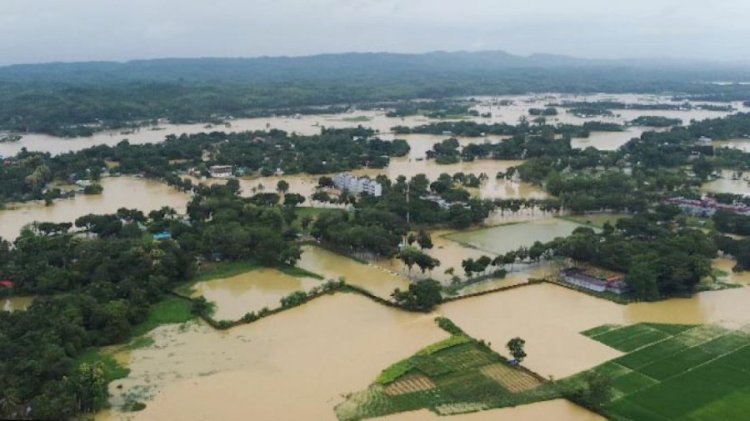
x: 220, y: 171
x: 357, y: 185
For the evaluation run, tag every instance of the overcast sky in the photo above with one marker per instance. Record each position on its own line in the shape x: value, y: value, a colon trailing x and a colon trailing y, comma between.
x: 76, y: 30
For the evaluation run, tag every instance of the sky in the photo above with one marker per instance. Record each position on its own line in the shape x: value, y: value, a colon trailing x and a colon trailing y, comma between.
x: 33, y: 31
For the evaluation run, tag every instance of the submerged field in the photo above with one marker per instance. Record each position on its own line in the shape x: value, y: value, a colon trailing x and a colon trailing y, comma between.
x: 251, y: 291
x: 505, y: 238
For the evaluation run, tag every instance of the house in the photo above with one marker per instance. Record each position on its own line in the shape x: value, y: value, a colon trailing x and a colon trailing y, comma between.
x: 7, y: 283
x: 162, y: 236
x: 442, y: 203
x: 593, y: 281
x: 357, y: 185
x: 220, y: 171
x: 706, y: 207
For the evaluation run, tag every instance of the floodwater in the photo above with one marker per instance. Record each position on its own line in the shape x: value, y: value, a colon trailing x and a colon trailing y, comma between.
x: 741, y: 144
x: 554, y: 410
x: 376, y: 119
x: 250, y: 291
x: 139, y: 193
x: 375, y: 279
x: 607, y: 141
x: 15, y: 303
x: 552, y: 329
x: 511, y: 114
x: 730, y: 182
x: 296, y: 365
x: 505, y: 238
x: 304, y: 125
x: 726, y: 265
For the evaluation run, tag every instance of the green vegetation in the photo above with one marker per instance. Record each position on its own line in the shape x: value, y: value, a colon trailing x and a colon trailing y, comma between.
x: 27, y: 175
x: 357, y: 119
x: 114, y: 284
x: 672, y: 372
x: 458, y: 374
x: 168, y: 311
x: 219, y: 270
x: 422, y: 295
x: 74, y: 99
x: 656, y: 121
x: 112, y: 369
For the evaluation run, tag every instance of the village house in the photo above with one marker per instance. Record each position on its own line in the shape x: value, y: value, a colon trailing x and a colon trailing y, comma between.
x: 706, y: 207
x: 597, y: 282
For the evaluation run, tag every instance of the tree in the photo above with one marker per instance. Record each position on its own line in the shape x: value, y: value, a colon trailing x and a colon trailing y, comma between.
x: 325, y: 181
x: 293, y: 199
x: 89, y: 384
x: 643, y: 279
x: 422, y: 295
x: 703, y: 168
x: 595, y: 392
x: 516, y: 348
x: 424, y: 240
x: 282, y: 187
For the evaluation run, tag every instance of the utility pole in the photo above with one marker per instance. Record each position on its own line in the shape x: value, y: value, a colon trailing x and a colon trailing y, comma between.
x: 408, y: 208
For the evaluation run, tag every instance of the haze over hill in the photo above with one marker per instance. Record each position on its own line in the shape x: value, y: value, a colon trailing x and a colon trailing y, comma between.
x: 41, y: 31
x: 362, y: 65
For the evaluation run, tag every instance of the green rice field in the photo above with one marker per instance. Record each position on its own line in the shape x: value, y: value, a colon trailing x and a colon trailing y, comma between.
x: 676, y: 372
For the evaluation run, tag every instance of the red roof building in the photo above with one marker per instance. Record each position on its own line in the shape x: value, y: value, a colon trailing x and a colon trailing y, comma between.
x: 7, y: 283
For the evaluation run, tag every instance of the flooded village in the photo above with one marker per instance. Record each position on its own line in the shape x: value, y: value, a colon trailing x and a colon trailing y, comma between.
x: 303, y: 362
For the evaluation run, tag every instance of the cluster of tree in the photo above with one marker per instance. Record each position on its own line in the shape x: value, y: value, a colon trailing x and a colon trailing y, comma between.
x: 737, y: 248
x: 590, y: 110
x: 440, y: 108
x: 546, y: 112
x: 78, y: 98
x: 730, y: 198
x: 468, y: 128
x: 729, y: 127
x: 93, y: 289
x: 610, y: 190
x: 659, y: 255
x: 411, y: 256
x: 656, y: 121
x: 107, y: 285
x: 26, y: 176
x: 422, y: 295
x: 376, y: 225
x: 732, y: 223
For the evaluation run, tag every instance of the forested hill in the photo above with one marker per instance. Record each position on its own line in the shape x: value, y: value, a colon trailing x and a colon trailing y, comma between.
x: 367, y: 65
x: 74, y: 99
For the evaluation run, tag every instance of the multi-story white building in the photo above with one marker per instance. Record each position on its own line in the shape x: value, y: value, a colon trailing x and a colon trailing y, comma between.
x: 357, y: 185
x: 220, y: 171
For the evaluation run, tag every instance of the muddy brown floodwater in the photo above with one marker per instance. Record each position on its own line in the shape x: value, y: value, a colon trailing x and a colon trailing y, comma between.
x: 15, y: 303
x: 375, y: 279
x: 133, y: 193
x: 730, y: 182
x: 550, y: 319
x: 250, y: 291
x: 554, y: 410
x: 293, y: 366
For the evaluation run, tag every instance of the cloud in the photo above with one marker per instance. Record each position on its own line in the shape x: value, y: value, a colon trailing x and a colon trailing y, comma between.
x: 49, y: 30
